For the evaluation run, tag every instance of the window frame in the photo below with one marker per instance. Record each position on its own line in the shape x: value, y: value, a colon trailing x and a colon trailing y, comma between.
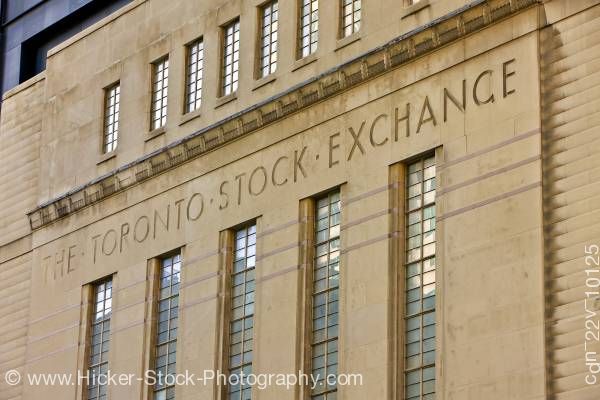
x: 299, y: 29
x: 165, y: 85
x: 105, y: 115
x: 273, y: 47
x: 222, y: 57
x: 186, y: 94
x: 229, y: 239
x: 155, y: 320
x: 311, y: 255
x: 403, y: 275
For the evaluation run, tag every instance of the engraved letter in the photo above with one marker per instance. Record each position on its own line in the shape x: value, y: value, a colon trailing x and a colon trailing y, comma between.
x: 224, y: 194
x: 95, y: 240
x: 137, y: 238
x: 372, y: 133
x: 124, y: 233
x: 283, y: 182
x: 475, y: 97
x: 262, y: 187
x: 178, y: 205
x: 406, y: 119
x: 298, y: 164
x: 189, y: 206
x: 356, y: 142
x: 331, y: 148
x: 107, y: 251
x: 431, y: 116
x: 239, y: 179
x: 505, y: 75
x: 461, y: 106
x: 164, y: 223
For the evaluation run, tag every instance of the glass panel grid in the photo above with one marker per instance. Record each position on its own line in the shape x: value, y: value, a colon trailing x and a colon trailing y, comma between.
x: 160, y: 88
x: 194, y: 75
x: 241, y: 325
x: 100, y: 340
x: 325, y: 296
x: 167, y: 324
x: 308, y: 35
x: 351, y: 15
x: 420, y: 281
x: 231, y: 57
x: 268, y: 38
x: 112, y: 98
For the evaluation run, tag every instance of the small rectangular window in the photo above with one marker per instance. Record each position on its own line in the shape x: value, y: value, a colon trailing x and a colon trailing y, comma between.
x: 420, y: 286
x: 165, y: 356
x: 241, y: 325
x: 231, y: 57
x: 99, y: 340
x: 325, y: 296
x: 351, y: 15
x: 160, y: 88
x: 194, y: 75
x: 308, y: 35
x: 112, y: 96
x: 268, y: 38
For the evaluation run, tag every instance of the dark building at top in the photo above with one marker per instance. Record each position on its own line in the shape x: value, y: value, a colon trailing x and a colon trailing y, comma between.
x: 29, y: 28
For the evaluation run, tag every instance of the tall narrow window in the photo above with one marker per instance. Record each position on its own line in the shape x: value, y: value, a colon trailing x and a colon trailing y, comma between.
x: 420, y: 281
x: 242, y: 311
x: 268, y: 38
x: 308, y: 36
x: 194, y: 75
x: 112, y: 96
x: 100, y: 340
x: 325, y: 294
x: 231, y: 57
x: 160, y: 88
x: 351, y: 10
x: 166, y: 340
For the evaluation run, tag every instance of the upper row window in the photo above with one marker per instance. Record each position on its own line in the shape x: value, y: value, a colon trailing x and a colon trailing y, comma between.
x: 308, y: 37
x: 231, y: 57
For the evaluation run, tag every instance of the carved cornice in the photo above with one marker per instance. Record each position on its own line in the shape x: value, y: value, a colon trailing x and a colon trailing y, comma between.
x: 425, y: 39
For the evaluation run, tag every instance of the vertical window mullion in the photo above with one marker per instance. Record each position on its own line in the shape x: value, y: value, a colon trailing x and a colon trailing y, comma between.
x: 325, y: 296
x: 100, y: 339
x: 420, y: 276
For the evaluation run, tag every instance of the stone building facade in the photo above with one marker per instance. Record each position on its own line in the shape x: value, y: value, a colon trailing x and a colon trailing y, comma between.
x: 408, y: 192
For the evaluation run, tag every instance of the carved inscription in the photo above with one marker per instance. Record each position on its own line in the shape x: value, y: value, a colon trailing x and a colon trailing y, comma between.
x: 348, y: 144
